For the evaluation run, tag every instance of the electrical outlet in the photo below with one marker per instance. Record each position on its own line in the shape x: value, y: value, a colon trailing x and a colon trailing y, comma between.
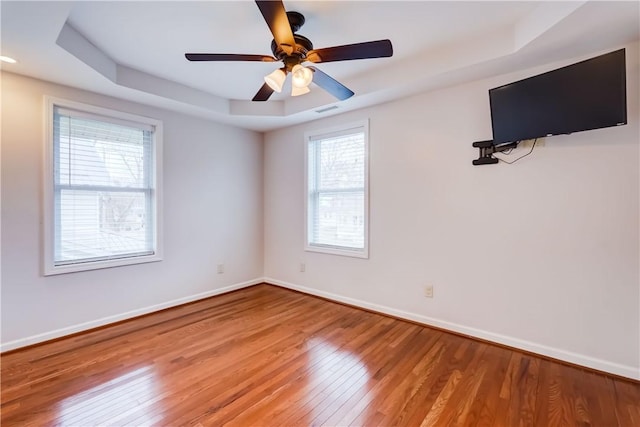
x: 428, y: 291
x: 303, y: 267
x: 220, y: 268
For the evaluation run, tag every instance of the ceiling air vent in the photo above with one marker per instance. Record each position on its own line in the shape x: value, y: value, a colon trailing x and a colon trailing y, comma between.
x: 322, y: 110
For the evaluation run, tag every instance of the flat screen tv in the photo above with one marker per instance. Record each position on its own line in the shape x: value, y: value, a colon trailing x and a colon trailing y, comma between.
x: 588, y: 95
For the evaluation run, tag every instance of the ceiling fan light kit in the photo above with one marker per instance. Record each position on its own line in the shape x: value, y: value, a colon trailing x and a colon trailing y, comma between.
x: 275, y: 80
x: 297, y: 91
x: 294, y: 49
x: 301, y: 76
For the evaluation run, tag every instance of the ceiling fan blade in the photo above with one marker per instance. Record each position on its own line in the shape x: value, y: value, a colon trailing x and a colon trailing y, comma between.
x: 263, y: 94
x: 276, y: 17
x: 227, y: 57
x: 374, y: 49
x: 331, y: 85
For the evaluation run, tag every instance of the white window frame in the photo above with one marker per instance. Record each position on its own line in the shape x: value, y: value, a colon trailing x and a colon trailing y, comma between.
x: 362, y: 125
x: 49, y: 267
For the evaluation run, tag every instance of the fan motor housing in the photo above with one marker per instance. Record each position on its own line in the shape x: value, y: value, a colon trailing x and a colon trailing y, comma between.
x: 303, y: 45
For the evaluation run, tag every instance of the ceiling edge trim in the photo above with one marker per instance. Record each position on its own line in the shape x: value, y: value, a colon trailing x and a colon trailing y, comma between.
x: 541, y: 19
x: 502, y: 42
x: 77, y: 45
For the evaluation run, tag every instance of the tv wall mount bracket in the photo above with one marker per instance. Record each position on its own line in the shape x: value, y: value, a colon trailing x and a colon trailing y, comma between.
x: 487, y: 148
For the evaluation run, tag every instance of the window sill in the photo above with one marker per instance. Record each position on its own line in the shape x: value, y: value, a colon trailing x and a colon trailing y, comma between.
x: 354, y: 253
x: 51, y: 270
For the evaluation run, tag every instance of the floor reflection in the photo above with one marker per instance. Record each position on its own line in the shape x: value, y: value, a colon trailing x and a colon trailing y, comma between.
x: 112, y: 402
x: 341, y: 375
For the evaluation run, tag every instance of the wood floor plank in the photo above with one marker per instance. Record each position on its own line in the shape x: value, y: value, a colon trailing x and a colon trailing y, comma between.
x: 334, y: 342
x: 627, y: 403
x: 229, y: 386
x: 600, y: 395
x: 408, y: 353
x: 423, y: 375
x: 269, y: 356
x: 314, y: 400
x: 213, y: 348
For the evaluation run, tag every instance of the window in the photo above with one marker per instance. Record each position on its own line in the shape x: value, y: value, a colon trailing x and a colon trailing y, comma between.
x: 102, y: 188
x: 337, y: 191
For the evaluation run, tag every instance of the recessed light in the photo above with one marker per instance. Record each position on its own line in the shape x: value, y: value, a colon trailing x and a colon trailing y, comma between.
x: 7, y: 59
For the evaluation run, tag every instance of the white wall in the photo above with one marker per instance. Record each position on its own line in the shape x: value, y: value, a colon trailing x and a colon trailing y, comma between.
x: 212, y: 214
x: 542, y: 255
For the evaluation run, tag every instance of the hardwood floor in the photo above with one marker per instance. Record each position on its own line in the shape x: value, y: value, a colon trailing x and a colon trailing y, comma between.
x: 269, y: 356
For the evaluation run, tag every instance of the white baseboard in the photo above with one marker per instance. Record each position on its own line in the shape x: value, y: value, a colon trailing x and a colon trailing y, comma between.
x: 46, y: 336
x: 568, y: 356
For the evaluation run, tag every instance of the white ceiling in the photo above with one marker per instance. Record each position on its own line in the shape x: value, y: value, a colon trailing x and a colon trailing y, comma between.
x: 135, y: 50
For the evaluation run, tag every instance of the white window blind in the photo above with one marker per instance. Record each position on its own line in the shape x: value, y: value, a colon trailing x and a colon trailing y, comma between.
x: 337, y: 191
x: 103, y: 188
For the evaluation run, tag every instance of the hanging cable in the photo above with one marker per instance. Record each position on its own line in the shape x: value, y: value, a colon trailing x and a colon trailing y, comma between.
x: 521, y: 157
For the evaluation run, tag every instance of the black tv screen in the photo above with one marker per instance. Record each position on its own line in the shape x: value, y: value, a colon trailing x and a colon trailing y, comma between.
x: 588, y: 95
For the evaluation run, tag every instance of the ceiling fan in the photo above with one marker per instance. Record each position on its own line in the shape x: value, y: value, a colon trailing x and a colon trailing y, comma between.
x: 294, y: 49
